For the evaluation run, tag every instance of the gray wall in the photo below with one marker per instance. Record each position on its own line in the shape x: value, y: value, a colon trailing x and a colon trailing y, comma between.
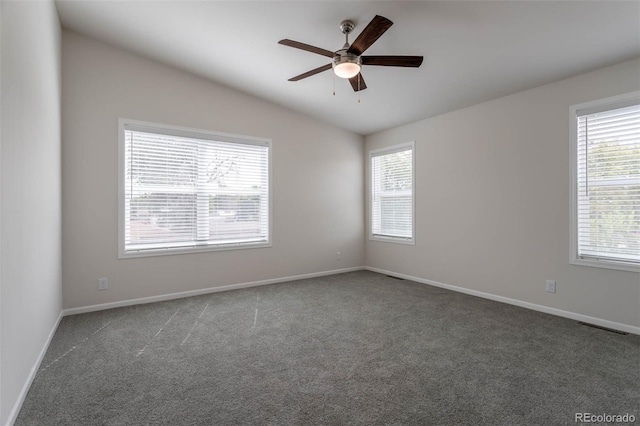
x: 492, y: 201
x: 317, y: 173
x: 30, y: 253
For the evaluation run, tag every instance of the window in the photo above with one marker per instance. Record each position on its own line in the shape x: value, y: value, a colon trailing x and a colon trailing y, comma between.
x: 606, y: 183
x: 185, y: 190
x: 392, y: 194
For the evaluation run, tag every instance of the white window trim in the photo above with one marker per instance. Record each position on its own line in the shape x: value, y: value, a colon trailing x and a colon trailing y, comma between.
x: 601, y: 104
x: 390, y: 150
x: 198, y: 133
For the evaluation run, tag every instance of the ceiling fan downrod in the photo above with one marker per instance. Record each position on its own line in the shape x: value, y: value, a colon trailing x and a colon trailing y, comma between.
x: 346, y: 27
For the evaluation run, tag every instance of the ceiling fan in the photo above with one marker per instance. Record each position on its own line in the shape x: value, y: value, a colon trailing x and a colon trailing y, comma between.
x: 348, y: 61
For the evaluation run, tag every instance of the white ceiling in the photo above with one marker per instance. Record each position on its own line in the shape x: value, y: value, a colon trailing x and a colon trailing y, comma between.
x: 474, y: 51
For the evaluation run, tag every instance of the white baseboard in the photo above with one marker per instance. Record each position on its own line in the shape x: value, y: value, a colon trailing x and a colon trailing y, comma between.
x: 516, y: 302
x: 13, y: 414
x: 540, y: 308
x: 182, y: 294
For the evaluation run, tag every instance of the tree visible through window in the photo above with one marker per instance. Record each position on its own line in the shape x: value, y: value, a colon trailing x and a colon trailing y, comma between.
x: 186, y: 190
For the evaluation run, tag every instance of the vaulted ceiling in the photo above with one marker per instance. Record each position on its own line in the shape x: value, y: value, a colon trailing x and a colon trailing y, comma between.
x: 473, y: 51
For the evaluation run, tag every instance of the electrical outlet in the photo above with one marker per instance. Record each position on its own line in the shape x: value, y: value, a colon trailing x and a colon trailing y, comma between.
x: 338, y: 255
x: 550, y: 286
x: 103, y: 283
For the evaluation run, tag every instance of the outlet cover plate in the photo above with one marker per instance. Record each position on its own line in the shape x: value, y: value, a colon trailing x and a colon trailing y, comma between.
x: 103, y: 283
x: 550, y: 286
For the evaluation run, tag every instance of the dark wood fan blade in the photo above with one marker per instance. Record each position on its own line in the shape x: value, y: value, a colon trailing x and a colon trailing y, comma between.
x: 357, y: 86
x: 310, y: 73
x: 368, y: 36
x: 393, y: 61
x: 307, y: 47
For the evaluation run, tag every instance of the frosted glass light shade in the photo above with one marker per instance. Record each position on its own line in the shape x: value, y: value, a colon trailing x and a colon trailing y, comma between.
x: 346, y: 69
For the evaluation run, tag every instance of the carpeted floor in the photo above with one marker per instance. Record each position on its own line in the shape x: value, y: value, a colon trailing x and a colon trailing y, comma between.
x: 356, y: 348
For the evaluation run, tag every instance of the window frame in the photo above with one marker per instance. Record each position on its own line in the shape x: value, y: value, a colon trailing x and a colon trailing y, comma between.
x: 575, y: 111
x: 391, y: 150
x: 195, y: 133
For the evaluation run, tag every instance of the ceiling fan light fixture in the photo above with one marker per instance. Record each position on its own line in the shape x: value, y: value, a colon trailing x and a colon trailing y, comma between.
x: 346, y: 65
x: 346, y: 70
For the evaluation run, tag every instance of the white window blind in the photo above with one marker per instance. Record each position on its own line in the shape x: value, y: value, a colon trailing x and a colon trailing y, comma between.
x: 392, y: 193
x: 608, y: 183
x: 192, y: 190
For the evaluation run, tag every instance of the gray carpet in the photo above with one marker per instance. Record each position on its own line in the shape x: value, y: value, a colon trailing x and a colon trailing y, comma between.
x: 356, y: 348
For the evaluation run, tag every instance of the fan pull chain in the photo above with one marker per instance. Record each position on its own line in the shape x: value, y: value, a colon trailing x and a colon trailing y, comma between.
x: 359, y: 78
x: 334, y: 84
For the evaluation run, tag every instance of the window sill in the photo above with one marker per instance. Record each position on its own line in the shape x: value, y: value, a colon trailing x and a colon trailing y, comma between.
x: 397, y: 240
x: 190, y: 250
x: 605, y: 264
